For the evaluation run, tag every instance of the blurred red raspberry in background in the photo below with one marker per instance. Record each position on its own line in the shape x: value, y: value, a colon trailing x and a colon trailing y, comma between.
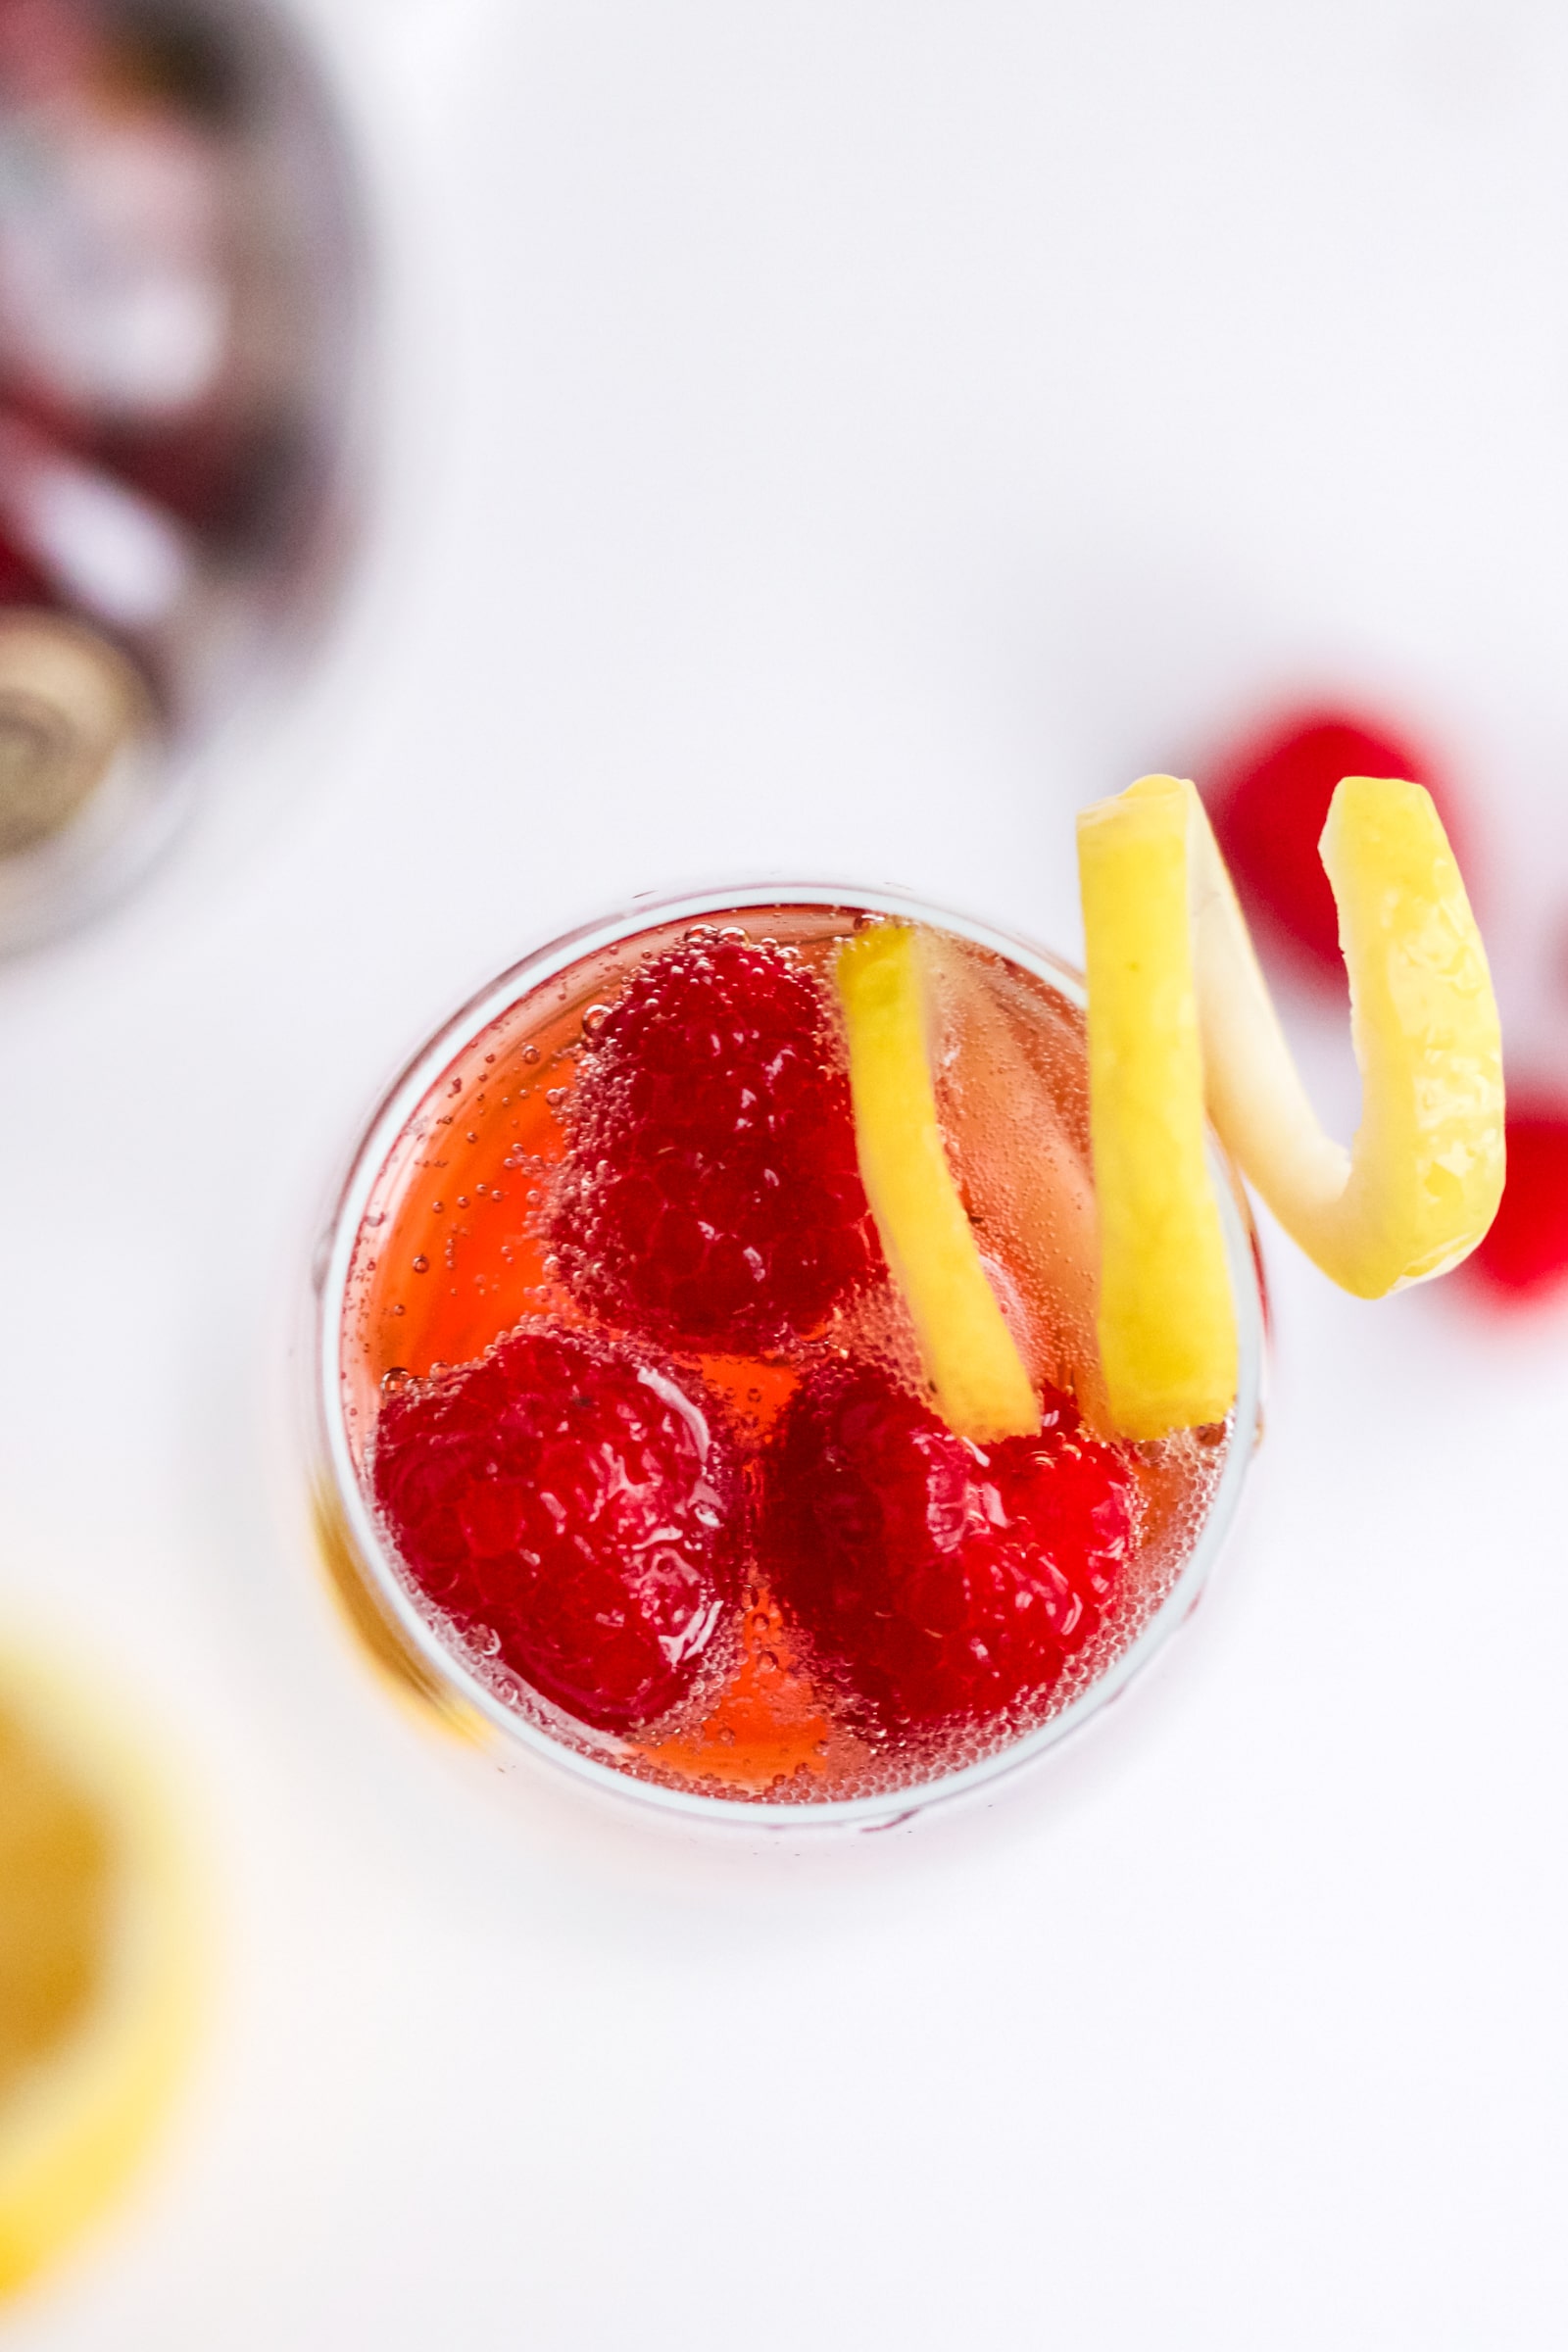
x: 1268, y: 800
x: 1525, y: 1256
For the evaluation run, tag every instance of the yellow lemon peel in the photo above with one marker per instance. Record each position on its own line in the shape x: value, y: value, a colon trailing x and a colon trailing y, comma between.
x: 1421, y: 1183
x: 98, y: 1963
x: 982, y: 1388
x: 1180, y: 1016
x: 1166, y: 1321
x: 1026, y: 1177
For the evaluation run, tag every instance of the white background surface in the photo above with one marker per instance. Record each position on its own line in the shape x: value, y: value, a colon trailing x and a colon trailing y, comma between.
x: 847, y: 436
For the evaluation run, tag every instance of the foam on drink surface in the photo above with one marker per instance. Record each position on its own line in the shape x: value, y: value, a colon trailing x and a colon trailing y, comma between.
x: 454, y: 1252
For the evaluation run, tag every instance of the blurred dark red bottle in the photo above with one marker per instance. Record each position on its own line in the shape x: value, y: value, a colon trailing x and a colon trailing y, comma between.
x: 21, y: 581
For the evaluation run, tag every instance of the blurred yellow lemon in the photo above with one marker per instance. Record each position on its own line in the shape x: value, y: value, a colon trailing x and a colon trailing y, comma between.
x: 98, y: 1961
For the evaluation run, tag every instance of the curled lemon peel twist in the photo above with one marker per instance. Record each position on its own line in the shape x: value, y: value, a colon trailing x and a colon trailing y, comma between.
x: 1179, y: 1015
x: 981, y: 1385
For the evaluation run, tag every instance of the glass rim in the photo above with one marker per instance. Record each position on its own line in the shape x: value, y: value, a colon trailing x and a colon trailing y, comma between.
x: 331, y: 1271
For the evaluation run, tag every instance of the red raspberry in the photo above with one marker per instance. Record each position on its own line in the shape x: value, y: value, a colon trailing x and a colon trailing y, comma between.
x: 711, y: 1196
x: 1269, y: 806
x: 568, y: 1498
x: 1526, y: 1252
x: 943, y: 1582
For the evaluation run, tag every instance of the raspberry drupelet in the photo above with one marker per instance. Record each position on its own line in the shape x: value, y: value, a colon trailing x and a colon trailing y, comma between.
x: 711, y: 1196
x: 942, y: 1583
x: 576, y: 1508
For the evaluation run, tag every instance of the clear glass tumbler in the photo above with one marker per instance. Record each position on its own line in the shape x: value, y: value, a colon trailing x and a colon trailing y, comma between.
x: 428, y: 1119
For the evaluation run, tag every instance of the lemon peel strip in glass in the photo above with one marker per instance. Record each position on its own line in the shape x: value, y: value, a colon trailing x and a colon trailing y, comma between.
x: 1026, y: 1178
x: 1166, y: 1320
x: 982, y: 1388
x: 1421, y: 1184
